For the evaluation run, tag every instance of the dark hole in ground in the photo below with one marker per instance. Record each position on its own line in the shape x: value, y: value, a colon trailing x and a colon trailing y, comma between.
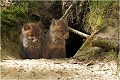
x: 73, y: 43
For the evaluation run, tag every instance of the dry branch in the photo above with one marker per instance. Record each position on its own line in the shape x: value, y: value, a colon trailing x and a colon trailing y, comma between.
x: 78, y: 32
x: 68, y: 11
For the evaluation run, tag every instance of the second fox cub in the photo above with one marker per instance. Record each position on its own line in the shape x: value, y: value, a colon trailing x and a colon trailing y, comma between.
x: 55, y: 40
x: 31, y: 41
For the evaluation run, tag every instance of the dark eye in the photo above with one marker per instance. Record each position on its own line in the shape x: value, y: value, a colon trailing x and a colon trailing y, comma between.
x: 67, y: 30
x: 31, y: 35
x: 62, y: 30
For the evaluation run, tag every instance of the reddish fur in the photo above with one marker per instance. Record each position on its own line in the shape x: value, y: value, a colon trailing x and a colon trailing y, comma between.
x: 55, y: 40
x: 31, y: 41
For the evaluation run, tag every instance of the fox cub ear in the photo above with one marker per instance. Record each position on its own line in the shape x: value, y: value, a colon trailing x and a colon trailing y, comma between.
x: 54, y: 22
x: 26, y: 27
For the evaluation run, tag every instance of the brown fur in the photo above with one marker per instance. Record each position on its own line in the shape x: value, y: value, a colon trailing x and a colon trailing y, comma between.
x: 31, y: 41
x: 55, y: 40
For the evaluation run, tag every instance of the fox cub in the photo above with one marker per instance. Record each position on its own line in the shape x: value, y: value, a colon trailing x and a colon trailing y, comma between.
x: 31, y: 41
x: 55, y: 40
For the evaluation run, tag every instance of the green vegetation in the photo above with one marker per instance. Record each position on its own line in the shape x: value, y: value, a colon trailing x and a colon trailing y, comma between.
x: 95, y: 19
x: 13, y: 17
x: 101, y: 16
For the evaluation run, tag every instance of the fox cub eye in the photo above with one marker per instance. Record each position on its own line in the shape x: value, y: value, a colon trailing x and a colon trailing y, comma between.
x: 31, y: 35
x: 67, y: 30
x: 62, y: 30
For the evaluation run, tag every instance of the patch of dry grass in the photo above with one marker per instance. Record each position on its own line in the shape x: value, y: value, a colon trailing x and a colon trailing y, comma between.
x: 9, y: 50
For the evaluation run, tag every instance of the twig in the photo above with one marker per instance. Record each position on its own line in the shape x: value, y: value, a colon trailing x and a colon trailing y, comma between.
x: 68, y: 11
x: 78, y: 32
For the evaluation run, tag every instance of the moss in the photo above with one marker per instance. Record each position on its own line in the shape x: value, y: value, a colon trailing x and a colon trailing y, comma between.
x: 95, y: 19
x: 103, y: 43
x: 13, y: 16
x: 108, y: 56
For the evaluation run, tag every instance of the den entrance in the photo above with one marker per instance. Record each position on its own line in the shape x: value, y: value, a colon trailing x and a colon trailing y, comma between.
x: 43, y: 11
x: 73, y: 43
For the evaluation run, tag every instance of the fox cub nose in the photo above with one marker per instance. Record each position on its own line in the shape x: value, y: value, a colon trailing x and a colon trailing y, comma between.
x: 66, y: 36
x: 35, y: 40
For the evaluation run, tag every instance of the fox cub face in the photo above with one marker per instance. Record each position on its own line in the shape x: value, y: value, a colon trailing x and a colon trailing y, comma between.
x: 31, y: 32
x: 59, y: 29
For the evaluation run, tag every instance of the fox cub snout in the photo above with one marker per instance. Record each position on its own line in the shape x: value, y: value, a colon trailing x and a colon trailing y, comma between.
x: 31, y: 41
